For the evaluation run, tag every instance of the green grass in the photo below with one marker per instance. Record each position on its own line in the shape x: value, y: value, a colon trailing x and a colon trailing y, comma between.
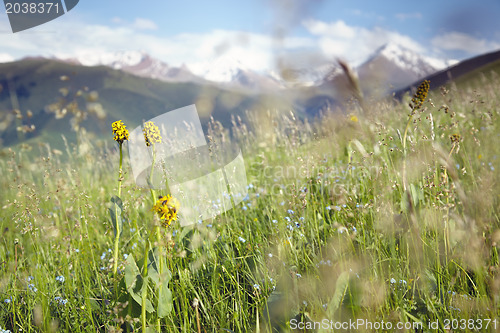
x: 327, y: 232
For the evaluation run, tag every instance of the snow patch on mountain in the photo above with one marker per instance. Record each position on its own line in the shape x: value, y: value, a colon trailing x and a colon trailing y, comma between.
x: 222, y: 69
x: 116, y: 60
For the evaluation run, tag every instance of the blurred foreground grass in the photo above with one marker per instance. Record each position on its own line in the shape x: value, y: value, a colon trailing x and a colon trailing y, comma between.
x: 327, y: 233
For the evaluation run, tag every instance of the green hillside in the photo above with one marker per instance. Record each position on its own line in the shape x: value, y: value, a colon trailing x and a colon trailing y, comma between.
x: 37, y: 83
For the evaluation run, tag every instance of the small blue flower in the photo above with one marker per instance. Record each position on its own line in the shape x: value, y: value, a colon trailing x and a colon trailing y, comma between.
x: 287, y: 218
x: 275, y: 221
x: 256, y: 286
x: 270, y: 255
x: 291, y: 212
x: 337, y: 208
x: 32, y: 287
x: 209, y: 226
x: 393, y: 280
x: 103, y: 255
x: 8, y: 300
x: 77, y: 250
x: 241, y: 239
x: 328, y: 208
x: 301, y: 218
x: 298, y: 275
x: 282, y: 203
x: 4, y: 331
x: 244, y: 207
x: 29, y: 278
x: 60, y: 278
x: 60, y: 300
x: 125, y: 256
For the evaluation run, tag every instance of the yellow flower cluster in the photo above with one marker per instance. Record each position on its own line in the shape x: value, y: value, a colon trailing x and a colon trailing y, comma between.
x: 151, y: 133
x: 119, y: 131
x: 420, y: 95
x: 166, y: 207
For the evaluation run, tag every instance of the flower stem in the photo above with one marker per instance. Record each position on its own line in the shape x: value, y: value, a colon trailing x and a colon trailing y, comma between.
x: 145, y: 285
x: 151, y: 187
x: 117, y: 224
x: 404, y: 148
x: 160, y: 271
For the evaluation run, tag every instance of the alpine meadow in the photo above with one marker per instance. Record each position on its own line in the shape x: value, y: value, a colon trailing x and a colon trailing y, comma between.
x: 382, y: 216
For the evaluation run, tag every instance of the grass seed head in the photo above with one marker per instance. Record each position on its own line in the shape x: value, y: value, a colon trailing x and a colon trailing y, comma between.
x: 420, y: 95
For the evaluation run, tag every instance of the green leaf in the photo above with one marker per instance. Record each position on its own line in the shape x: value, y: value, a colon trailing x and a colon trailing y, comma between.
x: 165, y: 303
x: 338, y: 297
x: 153, y: 272
x: 135, y: 282
x: 116, y: 212
x: 160, y: 281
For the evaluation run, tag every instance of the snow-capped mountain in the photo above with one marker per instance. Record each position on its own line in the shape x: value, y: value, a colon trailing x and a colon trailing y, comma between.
x: 116, y: 60
x: 308, y: 77
x: 229, y: 72
x: 137, y: 63
x: 390, y: 67
x: 393, y: 66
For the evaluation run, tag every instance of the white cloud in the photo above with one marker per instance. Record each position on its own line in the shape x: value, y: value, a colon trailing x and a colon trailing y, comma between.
x: 338, y: 29
x: 144, y: 24
x: 4, y: 57
x: 354, y: 43
x: 458, y: 41
x: 68, y: 39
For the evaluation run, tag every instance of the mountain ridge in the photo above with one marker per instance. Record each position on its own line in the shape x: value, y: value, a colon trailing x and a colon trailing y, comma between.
x: 404, y: 65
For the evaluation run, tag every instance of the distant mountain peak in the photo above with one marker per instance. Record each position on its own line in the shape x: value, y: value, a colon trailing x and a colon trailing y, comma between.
x: 116, y: 60
x: 394, y: 66
x: 223, y: 69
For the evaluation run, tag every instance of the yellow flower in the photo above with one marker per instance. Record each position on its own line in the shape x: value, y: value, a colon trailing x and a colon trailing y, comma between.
x: 354, y: 119
x: 119, y: 131
x: 166, y: 207
x: 151, y: 133
x: 420, y: 95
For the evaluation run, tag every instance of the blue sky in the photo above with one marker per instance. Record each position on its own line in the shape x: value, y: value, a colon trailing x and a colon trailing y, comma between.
x: 258, y: 32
